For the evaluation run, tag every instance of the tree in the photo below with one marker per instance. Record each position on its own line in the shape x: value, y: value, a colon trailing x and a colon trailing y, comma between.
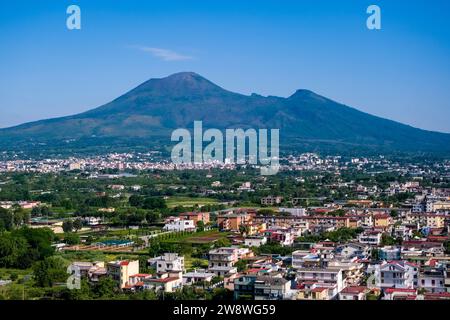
x: 222, y: 242
x: 67, y: 226
x: 71, y: 238
x: 274, y: 248
x: 12, y: 250
x: 244, y: 229
x: 241, y: 265
x: 447, y: 247
x: 152, y: 216
x: 222, y: 294
x: 375, y: 254
x: 105, y: 288
x: 77, y: 224
x: 49, y: 271
x: 39, y: 242
x: 387, y: 240
x: 154, y: 247
x: 84, y: 293
x: 154, y: 203
x: 13, y: 276
x: 13, y: 218
x: 394, y: 213
x: 200, y: 226
x: 265, y: 212
x: 144, y: 295
x: 136, y: 201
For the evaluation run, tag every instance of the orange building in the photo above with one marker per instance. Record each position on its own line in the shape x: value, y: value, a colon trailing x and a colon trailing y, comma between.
x: 381, y: 220
x: 196, y: 217
x: 232, y: 221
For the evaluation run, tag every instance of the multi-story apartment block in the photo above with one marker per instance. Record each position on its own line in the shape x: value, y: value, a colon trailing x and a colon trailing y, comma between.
x: 272, y: 288
x: 232, y: 221
x: 170, y: 262
x: 433, y: 280
x: 262, y: 287
x: 121, y: 271
x: 196, y: 217
x: 435, y: 220
x: 222, y: 260
x: 396, y: 274
x: 271, y: 200
x: 390, y: 253
x: 285, y: 237
x: 255, y: 241
x: 381, y: 220
x: 331, y: 278
x: 178, y: 225
x: 306, y: 259
x: 370, y: 237
x: 244, y: 287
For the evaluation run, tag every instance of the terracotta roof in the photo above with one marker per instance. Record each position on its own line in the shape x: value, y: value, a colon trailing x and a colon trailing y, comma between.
x: 392, y: 290
x: 164, y: 280
x: 434, y: 296
x: 354, y: 289
x: 141, y: 275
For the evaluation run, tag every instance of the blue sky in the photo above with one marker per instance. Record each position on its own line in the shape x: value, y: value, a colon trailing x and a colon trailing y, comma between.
x: 401, y: 72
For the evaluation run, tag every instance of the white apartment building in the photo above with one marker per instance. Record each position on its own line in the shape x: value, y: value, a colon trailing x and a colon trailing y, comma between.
x: 396, y: 274
x: 296, y: 212
x: 196, y: 276
x: 433, y: 280
x: 255, y: 241
x: 222, y: 260
x: 370, y: 238
x: 170, y: 262
x: 179, y: 225
x: 331, y: 278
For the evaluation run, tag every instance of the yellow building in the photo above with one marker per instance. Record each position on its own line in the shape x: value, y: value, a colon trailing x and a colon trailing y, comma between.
x: 441, y: 205
x: 121, y: 271
x: 317, y: 293
x: 435, y: 221
x: 381, y: 220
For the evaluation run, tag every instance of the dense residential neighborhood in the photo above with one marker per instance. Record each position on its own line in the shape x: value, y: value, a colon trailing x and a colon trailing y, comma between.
x: 324, y: 228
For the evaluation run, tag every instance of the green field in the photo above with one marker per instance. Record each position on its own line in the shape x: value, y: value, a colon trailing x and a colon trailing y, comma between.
x: 189, y: 202
x: 6, y: 273
x: 195, y: 263
x: 93, y: 256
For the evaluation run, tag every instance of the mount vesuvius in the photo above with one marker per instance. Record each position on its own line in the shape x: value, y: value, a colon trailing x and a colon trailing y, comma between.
x: 146, y: 116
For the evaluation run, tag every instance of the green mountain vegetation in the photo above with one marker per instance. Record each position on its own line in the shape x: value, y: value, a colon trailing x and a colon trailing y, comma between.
x: 146, y: 116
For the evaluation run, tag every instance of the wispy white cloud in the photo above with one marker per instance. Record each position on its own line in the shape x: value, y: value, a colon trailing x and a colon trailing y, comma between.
x: 165, y: 54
